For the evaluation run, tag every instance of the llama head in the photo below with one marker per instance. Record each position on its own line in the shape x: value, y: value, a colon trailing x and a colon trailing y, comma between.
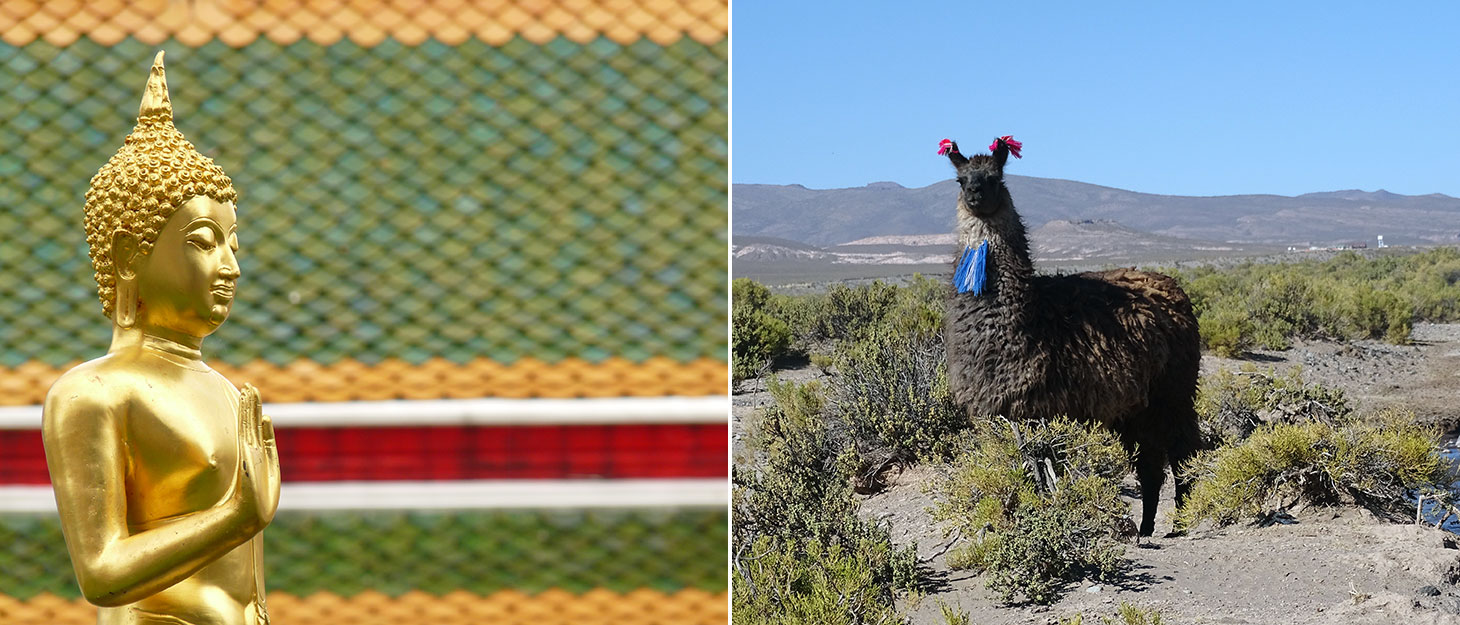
x: 981, y: 178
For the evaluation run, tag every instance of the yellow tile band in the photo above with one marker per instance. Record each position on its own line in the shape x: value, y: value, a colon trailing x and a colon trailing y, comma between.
x: 350, y: 380
x: 366, y: 22
x: 508, y: 607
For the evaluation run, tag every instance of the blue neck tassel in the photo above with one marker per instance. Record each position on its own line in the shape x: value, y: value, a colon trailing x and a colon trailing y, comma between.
x: 972, y: 271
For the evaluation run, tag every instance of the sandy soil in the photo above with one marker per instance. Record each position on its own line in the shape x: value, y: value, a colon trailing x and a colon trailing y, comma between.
x: 1326, y: 566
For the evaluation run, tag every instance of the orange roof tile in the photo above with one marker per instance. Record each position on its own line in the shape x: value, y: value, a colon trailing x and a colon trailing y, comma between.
x: 437, y: 378
x: 366, y: 22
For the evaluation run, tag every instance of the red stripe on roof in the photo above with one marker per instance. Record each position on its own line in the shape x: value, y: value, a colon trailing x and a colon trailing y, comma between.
x: 311, y: 454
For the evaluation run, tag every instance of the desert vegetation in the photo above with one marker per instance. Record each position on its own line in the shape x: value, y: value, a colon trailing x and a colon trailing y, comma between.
x: 1276, y: 444
x: 1034, y: 506
x: 1038, y: 504
x: 1349, y: 296
x: 801, y: 553
x: 1248, y: 306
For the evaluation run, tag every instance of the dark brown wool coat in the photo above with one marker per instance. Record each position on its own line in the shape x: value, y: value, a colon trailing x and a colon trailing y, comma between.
x: 1119, y: 347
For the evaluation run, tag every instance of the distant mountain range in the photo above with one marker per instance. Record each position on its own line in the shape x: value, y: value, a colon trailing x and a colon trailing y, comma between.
x: 823, y: 218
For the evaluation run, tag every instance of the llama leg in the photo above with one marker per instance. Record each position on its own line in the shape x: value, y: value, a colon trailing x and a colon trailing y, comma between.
x: 1185, y: 442
x: 1151, y: 470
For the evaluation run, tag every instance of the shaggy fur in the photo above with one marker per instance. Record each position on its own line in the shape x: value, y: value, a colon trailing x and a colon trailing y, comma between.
x: 1119, y: 347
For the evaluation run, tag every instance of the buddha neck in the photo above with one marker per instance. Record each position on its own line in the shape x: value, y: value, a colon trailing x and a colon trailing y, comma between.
x: 182, y: 349
x: 192, y: 353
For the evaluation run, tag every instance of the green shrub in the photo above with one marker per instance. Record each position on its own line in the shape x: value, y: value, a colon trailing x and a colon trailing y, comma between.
x: 1283, y: 305
x: 801, y: 554
x: 883, y: 348
x: 920, y: 308
x: 1127, y: 614
x: 1362, y: 312
x: 1228, y: 332
x: 766, y: 327
x: 844, y: 311
x: 1230, y: 405
x: 799, y: 483
x: 757, y: 337
x: 891, y: 391
x: 812, y: 581
x: 1376, y: 462
x: 1132, y: 615
x: 1039, y: 503
x: 952, y: 615
x: 1346, y: 297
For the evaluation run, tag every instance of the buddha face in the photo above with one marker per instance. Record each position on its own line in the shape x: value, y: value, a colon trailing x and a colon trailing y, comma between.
x: 187, y: 283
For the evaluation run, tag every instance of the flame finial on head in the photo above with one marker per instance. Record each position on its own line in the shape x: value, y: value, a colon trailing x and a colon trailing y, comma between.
x: 155, y: 102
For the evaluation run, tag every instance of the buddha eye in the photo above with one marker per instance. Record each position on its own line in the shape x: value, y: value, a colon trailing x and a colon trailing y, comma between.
x: 202, y: 239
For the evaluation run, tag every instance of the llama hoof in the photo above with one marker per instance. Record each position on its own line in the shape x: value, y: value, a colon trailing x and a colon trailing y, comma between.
x: 1175, y: 534
x: 1147, y: 529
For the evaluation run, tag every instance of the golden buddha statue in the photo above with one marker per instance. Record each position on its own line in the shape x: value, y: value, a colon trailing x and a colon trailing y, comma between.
x: 165, y: 473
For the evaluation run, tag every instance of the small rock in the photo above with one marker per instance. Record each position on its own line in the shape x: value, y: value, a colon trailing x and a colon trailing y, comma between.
x: 1429, y: 591
x: 1097, y: 588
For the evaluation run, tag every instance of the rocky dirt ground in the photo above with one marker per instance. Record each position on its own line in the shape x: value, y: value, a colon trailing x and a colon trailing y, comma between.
x: 1325, y: 566
x: 1423, y: 376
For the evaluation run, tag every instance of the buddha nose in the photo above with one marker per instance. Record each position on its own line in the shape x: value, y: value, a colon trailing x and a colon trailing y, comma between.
x: 230, y: 270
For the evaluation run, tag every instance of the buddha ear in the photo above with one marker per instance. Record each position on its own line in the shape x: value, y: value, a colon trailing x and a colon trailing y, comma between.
x: 126, y: 251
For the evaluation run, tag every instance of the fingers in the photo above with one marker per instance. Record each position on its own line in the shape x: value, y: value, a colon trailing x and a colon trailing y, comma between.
x: 258, y: 417
x: 268, y: 441
x: 243, y: 415
x: 248, y: 416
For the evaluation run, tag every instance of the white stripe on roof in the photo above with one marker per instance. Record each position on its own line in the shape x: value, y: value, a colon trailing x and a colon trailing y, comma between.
x: 475, y: 494
x: 488, y: 411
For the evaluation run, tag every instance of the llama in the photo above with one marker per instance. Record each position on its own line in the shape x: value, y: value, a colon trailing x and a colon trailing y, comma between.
x: 1119, y: 347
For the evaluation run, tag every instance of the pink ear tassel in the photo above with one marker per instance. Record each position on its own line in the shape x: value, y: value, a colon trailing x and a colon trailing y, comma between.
x: 945, y: 146
x: 1008, y: 140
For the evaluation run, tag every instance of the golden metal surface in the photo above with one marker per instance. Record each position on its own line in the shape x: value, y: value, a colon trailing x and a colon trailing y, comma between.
x: 165, y: 473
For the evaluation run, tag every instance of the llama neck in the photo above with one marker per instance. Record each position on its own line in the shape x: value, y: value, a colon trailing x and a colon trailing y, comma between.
x: 1009, y: 266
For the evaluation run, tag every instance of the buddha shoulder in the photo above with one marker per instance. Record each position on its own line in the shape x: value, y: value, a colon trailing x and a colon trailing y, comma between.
x: 94, y: 387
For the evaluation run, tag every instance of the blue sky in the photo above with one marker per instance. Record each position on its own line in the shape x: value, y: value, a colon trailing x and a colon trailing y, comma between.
x: 1176, y: 98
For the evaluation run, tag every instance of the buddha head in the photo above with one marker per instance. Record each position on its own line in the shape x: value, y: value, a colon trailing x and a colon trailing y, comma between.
x: 160, y: 224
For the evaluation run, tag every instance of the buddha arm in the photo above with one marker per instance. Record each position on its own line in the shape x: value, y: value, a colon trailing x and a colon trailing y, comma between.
x: 84, y: 452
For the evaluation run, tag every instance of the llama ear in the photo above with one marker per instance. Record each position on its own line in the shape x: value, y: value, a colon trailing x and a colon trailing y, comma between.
x: 1001, y: 154
x: 950, y: 147
x: 1002, y: 147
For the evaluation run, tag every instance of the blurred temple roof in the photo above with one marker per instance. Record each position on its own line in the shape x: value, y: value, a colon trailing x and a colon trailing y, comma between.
x: 436, y: 199
x: 238, y: 23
